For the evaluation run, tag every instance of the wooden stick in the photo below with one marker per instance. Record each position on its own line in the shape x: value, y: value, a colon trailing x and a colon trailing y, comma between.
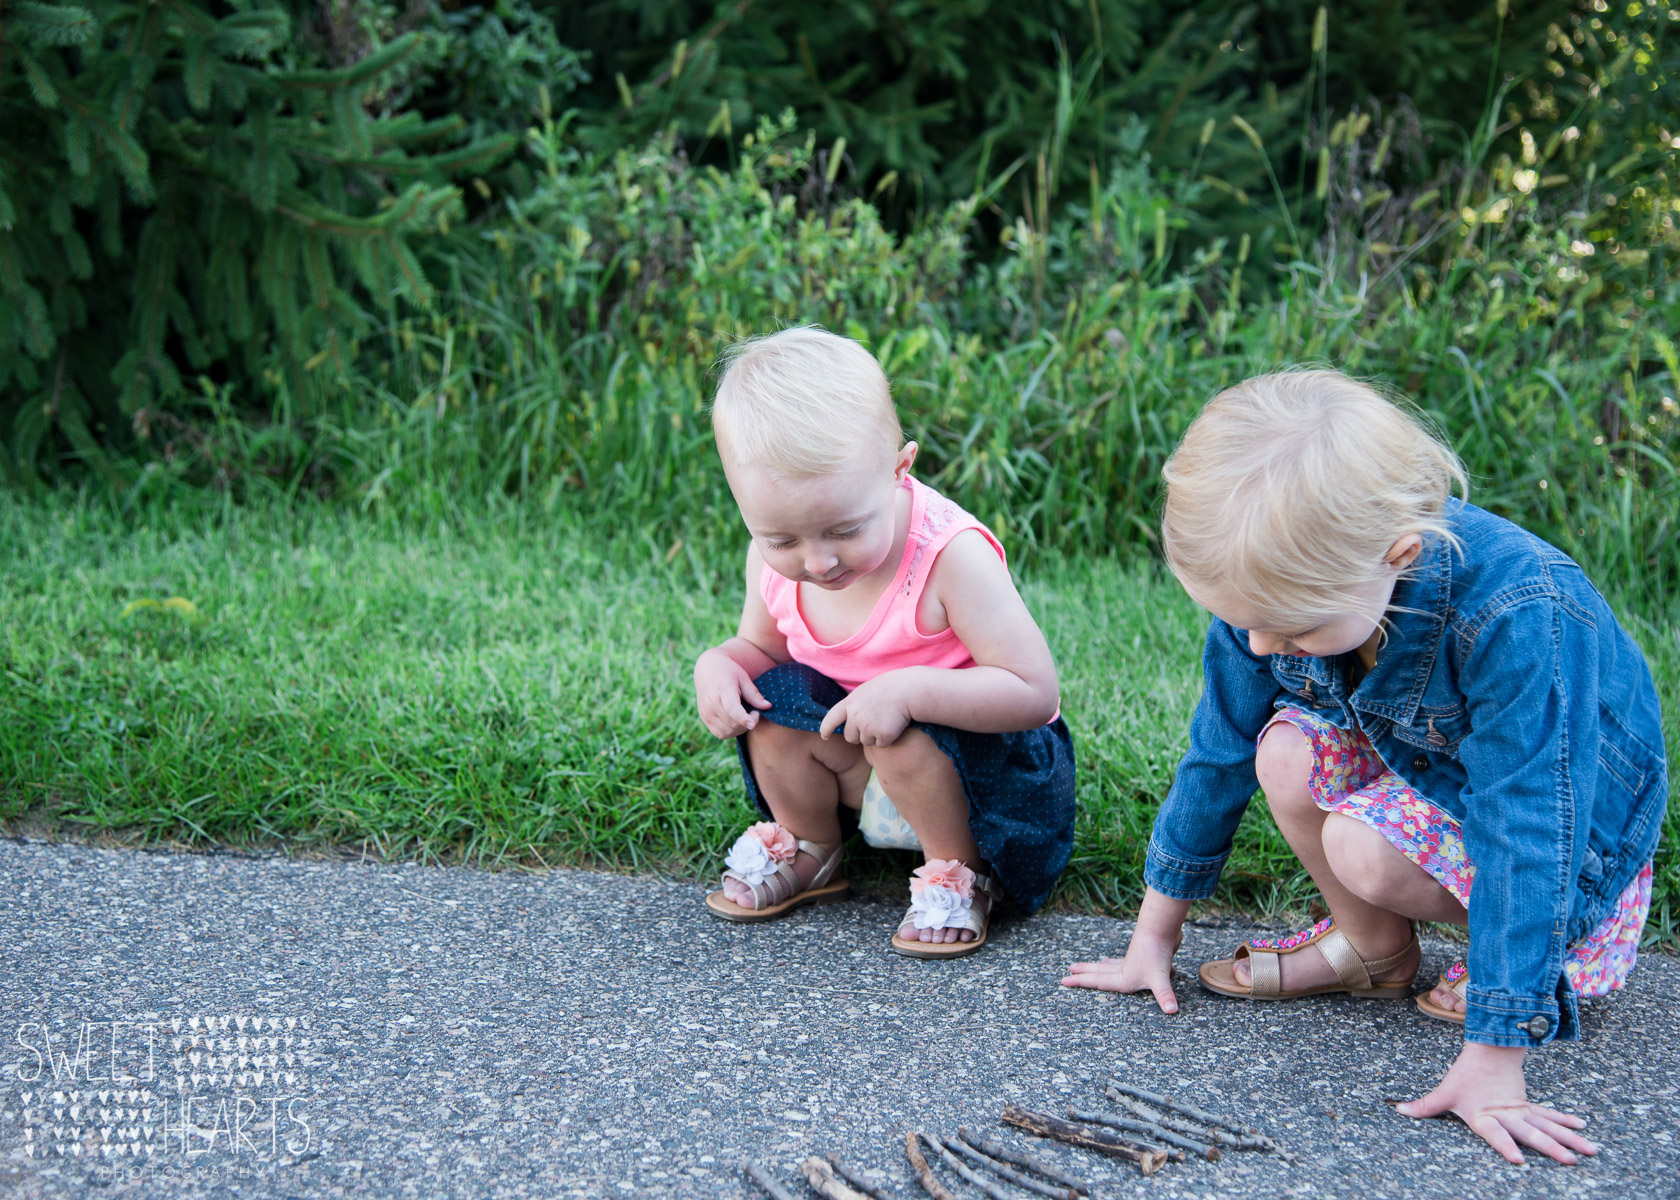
x: 758, y: 1175
x: 967, y: 1172
x: 854, y: 1178
x: 1009, y: 1173
x: 1149, y: 1129
x: 1213, y: 1134
x: 1022, y: 1159
x: 1044, y: 1125
x: 823, y: 1181
x: 1183, y: 1110
x: 924, y: 1173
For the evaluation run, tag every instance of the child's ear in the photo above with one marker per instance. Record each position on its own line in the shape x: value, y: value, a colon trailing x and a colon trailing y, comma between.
x: 1404, y: 552
x: 906, y: 456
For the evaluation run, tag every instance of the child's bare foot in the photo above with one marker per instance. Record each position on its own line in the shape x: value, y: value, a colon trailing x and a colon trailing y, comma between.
x: 1445, y: 997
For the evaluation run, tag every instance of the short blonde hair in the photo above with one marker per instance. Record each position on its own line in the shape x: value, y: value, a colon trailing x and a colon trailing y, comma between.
x: 1288, y: 491
x: 803, y: 402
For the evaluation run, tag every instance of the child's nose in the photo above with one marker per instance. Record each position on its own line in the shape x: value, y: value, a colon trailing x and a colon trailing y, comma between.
x: 1264, y: 643
x: 821, y: 562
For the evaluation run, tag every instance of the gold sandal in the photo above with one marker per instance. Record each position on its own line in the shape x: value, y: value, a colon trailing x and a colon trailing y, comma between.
x: 1455, y: 981
x: 1353, y: 974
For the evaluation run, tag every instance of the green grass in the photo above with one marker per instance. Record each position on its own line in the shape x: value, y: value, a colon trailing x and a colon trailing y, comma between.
x: 505, y: 691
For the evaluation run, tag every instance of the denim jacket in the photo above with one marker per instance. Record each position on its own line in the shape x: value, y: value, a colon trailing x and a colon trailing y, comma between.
x: 1509, y: 695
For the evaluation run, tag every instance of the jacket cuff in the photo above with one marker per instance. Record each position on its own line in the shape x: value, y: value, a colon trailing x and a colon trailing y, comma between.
x: 1501, y: 1019
x: 1179, y: 877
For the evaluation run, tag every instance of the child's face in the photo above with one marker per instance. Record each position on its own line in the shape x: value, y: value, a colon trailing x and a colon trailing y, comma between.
x: 829, y: 530
x: 1359, y: 628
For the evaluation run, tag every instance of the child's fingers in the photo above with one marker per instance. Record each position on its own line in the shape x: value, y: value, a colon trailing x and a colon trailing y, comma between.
x: 1488, y: 1128
x: 836, y: 717
x: 1163, y: 992
x: 753, y: 696
x: 1562, y: 1118
x: 1432, y: 1105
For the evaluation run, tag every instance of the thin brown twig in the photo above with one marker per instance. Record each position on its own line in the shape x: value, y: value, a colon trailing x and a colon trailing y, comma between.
x: 1185, y: 1110
x: 761, y: 1177
x: 1003, y: 1171
x: 1022, y: 1159
x: 966, y: 1171
x: 1148, y: 1129
x: 1148, y: 1159
x: 820, y: 1175
x: 924, y: 1173
x: 853, y: 1177
x: 1195, y: 1129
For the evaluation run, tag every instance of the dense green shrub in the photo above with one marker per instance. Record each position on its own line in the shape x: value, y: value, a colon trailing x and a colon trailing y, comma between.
x: 181, y: 192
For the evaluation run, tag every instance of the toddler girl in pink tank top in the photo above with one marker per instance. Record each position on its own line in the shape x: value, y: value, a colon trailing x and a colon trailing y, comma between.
x: 882, y: 636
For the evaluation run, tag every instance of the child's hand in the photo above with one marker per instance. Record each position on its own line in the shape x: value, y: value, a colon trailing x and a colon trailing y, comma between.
x: 1485, y: 1089
x: 875, y: 714
x: 721, y: 685
x: 1146, y: 967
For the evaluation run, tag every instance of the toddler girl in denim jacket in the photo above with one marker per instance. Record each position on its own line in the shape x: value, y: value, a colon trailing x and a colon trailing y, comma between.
x: 882, y: 646
x: 1446, y: 719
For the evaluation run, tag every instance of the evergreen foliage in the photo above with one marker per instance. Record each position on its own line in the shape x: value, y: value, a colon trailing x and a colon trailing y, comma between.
x: 180, y: 191
x: 930, y: 98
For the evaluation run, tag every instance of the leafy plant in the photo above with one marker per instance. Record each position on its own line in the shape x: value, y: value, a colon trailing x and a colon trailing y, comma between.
x: 176, y: 196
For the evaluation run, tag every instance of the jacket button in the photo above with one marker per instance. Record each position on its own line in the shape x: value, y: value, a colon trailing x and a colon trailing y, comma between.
x: 1537, y: 1027
x: 1420, y: 763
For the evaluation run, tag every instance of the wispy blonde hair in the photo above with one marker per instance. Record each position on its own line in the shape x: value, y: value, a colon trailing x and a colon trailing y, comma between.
x: 1289, y: 489
x: 803, y: 402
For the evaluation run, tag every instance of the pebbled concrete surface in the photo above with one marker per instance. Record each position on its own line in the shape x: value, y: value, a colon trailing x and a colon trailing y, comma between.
x: 568, y: 1034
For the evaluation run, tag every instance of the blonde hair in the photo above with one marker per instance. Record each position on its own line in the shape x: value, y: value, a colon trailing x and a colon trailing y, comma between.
x: 1288, y: 491
x: 802, y: 402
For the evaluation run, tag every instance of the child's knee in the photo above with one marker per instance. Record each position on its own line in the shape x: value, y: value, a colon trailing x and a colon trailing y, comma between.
x: 1361, y: 858
x: 768, y: 740
x: 1283, y: 763
x: 911, y: 756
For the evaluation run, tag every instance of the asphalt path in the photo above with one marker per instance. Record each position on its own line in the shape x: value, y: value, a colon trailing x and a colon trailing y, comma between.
x: 219, y: 1026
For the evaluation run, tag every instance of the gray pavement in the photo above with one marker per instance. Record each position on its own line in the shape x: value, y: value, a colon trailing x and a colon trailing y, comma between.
x: 461, y: 1033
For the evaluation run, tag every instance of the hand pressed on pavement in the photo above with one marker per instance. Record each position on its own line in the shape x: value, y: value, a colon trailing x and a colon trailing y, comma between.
x: 1485, y: 1089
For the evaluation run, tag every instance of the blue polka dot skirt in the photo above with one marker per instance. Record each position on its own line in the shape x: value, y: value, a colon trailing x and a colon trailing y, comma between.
x: 1019, y: 785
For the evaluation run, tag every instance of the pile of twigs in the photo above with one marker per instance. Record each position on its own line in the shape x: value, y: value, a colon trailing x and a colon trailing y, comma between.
x: 1154, y: 1131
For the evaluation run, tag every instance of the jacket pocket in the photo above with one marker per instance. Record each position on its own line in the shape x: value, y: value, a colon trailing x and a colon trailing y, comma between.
x: 1437, y: 730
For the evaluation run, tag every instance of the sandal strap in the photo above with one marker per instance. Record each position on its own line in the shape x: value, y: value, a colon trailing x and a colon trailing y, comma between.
x: 784, y: 883
x: 1354, y: 973
x: 829, y: 860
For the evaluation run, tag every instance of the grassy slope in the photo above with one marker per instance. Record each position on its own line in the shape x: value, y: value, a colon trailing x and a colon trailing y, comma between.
x: 500, y: 692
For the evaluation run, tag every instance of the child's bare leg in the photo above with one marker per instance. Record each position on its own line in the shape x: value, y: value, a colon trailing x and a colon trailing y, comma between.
x: 928, y: 794
x: 1379, y: 872
x: 804, y: 780
x: 1284, y: 764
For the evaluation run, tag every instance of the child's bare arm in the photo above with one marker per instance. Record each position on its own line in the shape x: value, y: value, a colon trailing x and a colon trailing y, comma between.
x: 1013, y: 684
x: 723, y: 675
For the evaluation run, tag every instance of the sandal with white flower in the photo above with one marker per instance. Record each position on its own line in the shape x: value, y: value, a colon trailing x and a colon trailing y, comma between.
x: 1455, y: 981
x: 1354, y: 975
x: 942, y: 896
x: 762, y: 858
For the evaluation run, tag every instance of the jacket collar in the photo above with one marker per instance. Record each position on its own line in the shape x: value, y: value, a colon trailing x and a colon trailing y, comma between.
x: 1418, y: 614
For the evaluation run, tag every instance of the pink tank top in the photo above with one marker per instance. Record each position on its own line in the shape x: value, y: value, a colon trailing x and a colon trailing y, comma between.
x: 889, y: 639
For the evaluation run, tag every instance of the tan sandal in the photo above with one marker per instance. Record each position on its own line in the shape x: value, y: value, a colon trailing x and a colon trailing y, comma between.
x: 777, y: 893
x: 975, y: 922
x: 1353, y: 974
x: 1455, y: 981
